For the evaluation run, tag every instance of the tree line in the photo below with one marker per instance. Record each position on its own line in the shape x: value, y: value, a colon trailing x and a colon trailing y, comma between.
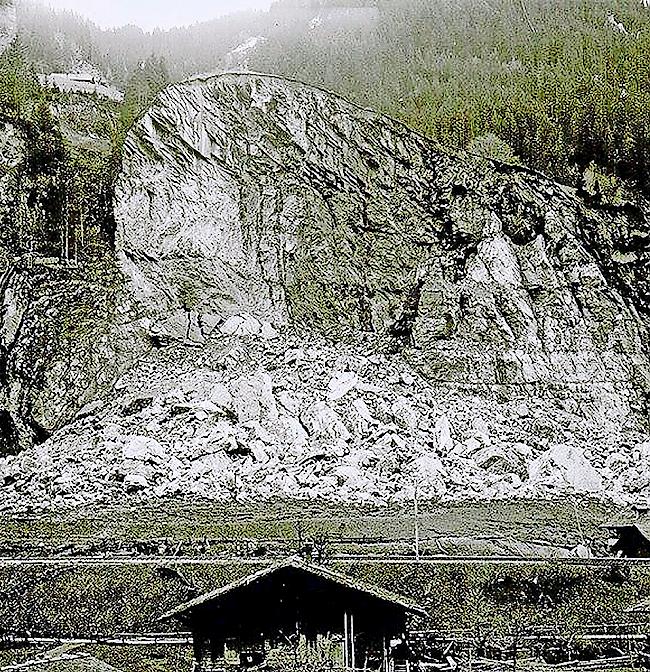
x: 60, y: 203
x: 562, y: 87
x: 563, y: 84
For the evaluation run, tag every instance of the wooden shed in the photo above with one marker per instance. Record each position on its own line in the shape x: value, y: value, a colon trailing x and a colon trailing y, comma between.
x: 629, y: 540
x: 293, y: 602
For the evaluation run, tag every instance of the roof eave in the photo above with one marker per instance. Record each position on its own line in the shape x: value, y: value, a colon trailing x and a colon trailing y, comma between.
x: 297, y: 563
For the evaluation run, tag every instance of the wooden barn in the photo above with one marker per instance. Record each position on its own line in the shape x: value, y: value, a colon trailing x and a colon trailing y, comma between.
x: 629, y: 540
x: 298, y: 606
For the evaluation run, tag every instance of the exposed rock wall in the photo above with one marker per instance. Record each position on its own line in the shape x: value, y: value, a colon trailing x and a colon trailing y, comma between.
x: 266, y: 197
x: 63, y: 344
x: 338, y: 308
x: 66, y: 331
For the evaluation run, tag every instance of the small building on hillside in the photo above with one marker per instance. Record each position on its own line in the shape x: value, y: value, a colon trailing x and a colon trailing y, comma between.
x: 87, y: 83
x: 302, y: 608
x: 629, y: 539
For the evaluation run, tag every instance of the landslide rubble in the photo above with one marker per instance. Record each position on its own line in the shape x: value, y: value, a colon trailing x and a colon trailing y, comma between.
x: 288, y: 417
x: 335, y: 307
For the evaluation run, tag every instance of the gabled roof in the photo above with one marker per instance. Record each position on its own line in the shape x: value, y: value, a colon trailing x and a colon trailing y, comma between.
x: 642, y: 527
x: 316, y: 570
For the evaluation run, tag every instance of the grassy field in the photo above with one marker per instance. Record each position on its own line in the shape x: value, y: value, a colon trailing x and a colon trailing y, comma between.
x: 68, y: 599
x: 89, y: 601
x: 483, y: 599
x: 531, y: 528
x: 123, y: 657
x: 145, y: 659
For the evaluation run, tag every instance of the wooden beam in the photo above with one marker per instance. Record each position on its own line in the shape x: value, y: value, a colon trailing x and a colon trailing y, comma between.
x: 349, y: 653
x: 353, y: 661
x: 346, y: 662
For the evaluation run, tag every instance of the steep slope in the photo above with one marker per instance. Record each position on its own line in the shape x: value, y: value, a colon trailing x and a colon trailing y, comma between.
x: 264, y: 197
x: 65, y: 328
x: 8, y: 23
x: 341, y: 309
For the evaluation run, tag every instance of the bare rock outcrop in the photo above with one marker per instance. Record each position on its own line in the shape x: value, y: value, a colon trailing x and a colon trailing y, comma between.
x: 66, y: 331
x: 243, y: 194
x: 327, y: 304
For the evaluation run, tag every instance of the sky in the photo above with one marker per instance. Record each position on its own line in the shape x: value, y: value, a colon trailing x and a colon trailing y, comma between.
x: 150, y: 14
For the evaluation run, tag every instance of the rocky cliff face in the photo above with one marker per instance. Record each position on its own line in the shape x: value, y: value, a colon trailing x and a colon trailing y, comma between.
x: 340, y: 308
x: 254, y: 196
x: 66, y: 331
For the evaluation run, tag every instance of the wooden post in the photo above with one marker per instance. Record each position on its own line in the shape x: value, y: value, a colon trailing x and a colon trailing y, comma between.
x: 62, y: 252
x: 417, y: 525
x: 353, y: 662
x: 349, y: 656
x: 345, y: 641
x: 198, y: 644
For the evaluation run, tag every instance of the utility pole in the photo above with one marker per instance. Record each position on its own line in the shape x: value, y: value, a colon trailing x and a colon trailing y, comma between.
x: 575, y: 511
x: 417, y: 524
x: 66, y: 232
x: 299, y: 533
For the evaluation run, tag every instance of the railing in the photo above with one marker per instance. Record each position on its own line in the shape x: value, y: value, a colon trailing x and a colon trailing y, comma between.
x: 122, y: 638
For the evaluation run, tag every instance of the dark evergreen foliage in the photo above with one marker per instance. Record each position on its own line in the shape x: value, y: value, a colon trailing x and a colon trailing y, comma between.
x: 557, y: 86
x: 564, y: 83
x: 148, y: 78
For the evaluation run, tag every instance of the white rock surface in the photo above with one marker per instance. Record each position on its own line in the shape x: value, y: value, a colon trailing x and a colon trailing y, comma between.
x: 328, y: 306
x: 266, y: 427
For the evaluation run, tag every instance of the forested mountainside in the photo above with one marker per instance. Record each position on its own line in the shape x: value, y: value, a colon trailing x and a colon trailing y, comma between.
x: 561, y: 84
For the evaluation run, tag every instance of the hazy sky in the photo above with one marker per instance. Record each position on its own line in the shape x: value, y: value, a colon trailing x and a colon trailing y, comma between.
x: 152, y: 13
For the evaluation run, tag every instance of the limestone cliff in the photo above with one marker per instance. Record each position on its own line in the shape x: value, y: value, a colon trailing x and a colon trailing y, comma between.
x: 337, y: 307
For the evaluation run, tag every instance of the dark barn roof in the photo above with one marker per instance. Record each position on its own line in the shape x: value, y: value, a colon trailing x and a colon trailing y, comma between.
x: 642, y: 527
x: 273, y: 600
x: 633, y: 538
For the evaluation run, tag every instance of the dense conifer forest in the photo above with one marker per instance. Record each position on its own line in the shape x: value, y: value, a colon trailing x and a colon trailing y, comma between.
x: 561, y: 87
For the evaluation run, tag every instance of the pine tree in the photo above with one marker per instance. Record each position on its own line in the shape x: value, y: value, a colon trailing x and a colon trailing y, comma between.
x: 150, y: 77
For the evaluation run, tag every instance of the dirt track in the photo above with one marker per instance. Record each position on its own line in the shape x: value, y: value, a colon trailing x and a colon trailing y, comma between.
x: 351, y: 560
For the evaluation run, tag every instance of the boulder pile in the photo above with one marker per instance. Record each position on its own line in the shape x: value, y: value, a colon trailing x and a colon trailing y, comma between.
x: 309, y: 300
x: 248, y: 417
